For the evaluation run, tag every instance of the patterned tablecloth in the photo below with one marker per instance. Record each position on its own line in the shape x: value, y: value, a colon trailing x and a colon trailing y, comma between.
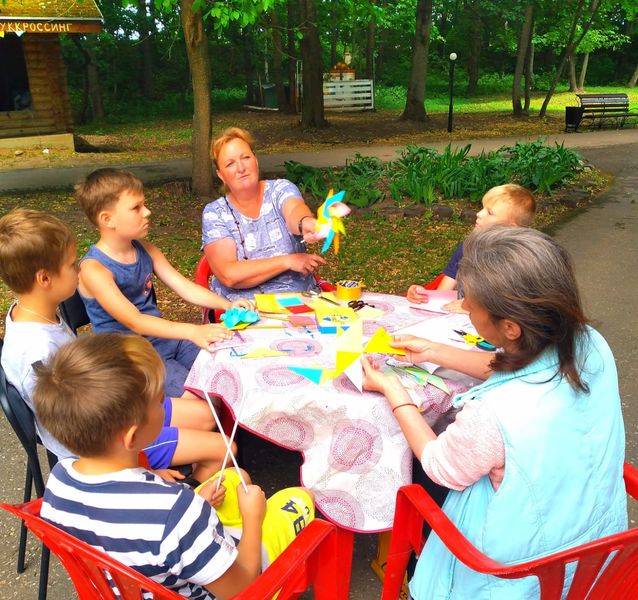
x: 355, y: 455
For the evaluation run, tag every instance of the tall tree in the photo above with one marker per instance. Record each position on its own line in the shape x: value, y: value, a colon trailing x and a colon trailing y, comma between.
x: 522, y: 57
x: 312, y: 113
x: 282, y: 101
x: 572, y: 43
x: 414, y: 105
x: 197, y: 50
x: 475, y: 22
x: 146, y: 49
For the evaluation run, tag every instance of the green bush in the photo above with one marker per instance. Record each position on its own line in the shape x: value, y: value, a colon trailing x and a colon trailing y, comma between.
x: 423, y: 175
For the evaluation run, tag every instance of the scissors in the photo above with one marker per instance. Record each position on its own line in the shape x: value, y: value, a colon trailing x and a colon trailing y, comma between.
x: 313, y: 294
x: 475, y: 340
x: 358, y: 304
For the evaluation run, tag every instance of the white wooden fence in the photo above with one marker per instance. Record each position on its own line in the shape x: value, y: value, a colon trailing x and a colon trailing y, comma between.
x: 348, y: 95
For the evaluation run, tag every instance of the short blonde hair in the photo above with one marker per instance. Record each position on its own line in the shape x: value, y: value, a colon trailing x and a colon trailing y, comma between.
x: 521, y: 203
x: 102, y: 189
x: 31, y: 240
x: 228, y: 135
x: 96, y: 387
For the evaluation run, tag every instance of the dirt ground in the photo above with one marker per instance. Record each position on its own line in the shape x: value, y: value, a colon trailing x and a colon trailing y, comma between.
x: 273, y: 132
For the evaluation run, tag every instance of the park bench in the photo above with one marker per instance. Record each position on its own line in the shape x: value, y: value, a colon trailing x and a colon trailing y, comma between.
x: 598, y: 109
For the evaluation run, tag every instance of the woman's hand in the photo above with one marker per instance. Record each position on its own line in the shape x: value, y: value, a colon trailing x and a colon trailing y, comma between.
x: 243, y: 303
x: 417, y: 349
x: 309, y: 230
x: 306, y: 264
x: 374, y: 380
x: 417, y: 294
x: 205, y: 335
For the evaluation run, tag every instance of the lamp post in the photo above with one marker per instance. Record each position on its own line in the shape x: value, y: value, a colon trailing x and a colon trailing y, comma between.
x: 450, y: 113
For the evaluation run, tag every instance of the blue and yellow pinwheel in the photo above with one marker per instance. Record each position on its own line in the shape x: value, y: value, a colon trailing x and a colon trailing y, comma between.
x: 329, y: 220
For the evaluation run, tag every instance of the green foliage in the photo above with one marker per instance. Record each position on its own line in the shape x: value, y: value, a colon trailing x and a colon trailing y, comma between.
x: 423, y: 175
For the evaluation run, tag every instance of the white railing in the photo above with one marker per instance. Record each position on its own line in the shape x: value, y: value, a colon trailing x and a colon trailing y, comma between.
x: 348, y: 95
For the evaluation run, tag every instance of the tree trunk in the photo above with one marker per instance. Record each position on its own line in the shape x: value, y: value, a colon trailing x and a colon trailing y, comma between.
x: 312, y: 115
x: 292, y: 54
x: 571, y: 64
x: 476, y: 41
x: 633, y: 79
x: 282, y: 101
x: 372, y: 27
x: 524, y: 42
x: 197, y: 51
x: 529, y: 73
x: 334, y: 33
x: 570, y: 47
x: 247, y: 43
x: 146, y: 50
x: 583, y: 72
x: 414, y: 105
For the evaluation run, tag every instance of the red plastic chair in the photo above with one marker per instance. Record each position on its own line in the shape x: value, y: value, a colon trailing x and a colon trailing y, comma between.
x: 618, y: 581
x: 316, y: 557
x: 434, y: 284
x: 203, y: 275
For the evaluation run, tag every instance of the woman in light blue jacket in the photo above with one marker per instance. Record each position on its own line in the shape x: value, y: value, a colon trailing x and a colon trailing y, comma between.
x: 535, y: 457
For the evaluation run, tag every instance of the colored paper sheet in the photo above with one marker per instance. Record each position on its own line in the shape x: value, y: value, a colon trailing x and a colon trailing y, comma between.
x: 369, y: 313
x: 268, y: 303
x: 437, y: 299
x: 263, y: 353
x: 425, y: 377
x: 379, y: 343
x: 302, y: 321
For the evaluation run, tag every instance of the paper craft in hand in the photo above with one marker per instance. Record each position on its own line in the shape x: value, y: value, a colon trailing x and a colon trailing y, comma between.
x: 239, y: 318
x: 379, y: 343
x: 349, y: 349
x: 329, y: 223
x: 425, y: 377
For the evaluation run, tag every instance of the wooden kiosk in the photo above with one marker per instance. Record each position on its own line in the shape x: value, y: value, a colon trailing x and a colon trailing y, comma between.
x: 34, y: 102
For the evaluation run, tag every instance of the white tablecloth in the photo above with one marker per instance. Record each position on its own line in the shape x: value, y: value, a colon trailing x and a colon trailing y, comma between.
x: 355, y: 455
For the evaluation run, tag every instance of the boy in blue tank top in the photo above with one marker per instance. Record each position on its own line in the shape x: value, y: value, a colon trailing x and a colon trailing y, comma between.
x: 116, y: 276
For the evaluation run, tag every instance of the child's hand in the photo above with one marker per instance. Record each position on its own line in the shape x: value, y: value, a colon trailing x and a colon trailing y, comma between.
x: 205, y: 335
x: 456, y: 307
x: 169, y: 474
x: 215, y: 497
x: 243, y: 303
x: 417, y: 294
x: 252, y: 504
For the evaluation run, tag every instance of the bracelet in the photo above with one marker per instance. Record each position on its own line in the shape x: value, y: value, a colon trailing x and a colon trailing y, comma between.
x: 404, y: 404
x: 301, y: 223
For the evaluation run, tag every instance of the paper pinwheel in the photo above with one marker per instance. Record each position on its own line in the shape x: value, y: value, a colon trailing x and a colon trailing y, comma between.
x: 329, y: 220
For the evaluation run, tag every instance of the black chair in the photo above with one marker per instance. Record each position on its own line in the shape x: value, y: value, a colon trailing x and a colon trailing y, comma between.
x: 22, y: 421
x: 74, y: 313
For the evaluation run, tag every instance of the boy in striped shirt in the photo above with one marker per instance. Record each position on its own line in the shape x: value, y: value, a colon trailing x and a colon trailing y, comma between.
x: 101, y: 396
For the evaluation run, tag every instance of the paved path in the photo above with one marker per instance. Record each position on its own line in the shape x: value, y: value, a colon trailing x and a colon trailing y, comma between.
x: 603, y: 241
x: 55, y: 178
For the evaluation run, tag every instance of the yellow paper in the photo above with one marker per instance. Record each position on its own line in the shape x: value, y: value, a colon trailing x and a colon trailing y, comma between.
x: 263, y: 353
x: 369, y: 313
x: 380, y: 343
x: 268, y: 303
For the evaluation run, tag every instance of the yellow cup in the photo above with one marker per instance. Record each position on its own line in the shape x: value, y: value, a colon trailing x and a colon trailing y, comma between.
x: 349, y: 290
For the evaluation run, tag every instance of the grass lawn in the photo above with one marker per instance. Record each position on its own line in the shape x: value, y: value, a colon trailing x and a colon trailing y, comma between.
x: 150, y: 137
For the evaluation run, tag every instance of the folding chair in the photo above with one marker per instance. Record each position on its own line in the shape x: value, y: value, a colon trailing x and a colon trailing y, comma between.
x: 619, y: 580
x: 315, y: 557
x: 74, y: 313
x: 22, y: 422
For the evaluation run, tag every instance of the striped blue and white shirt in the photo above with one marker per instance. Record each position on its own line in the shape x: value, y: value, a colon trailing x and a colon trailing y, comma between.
x: 163, y: 530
